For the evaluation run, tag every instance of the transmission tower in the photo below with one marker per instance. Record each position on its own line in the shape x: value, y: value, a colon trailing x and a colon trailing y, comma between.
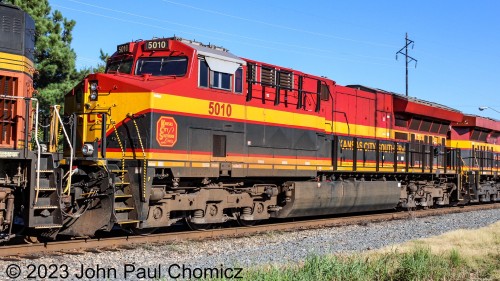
x: 408, y: 58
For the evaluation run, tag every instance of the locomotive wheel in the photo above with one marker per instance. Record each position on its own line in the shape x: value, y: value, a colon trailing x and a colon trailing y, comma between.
x: 139, y: 231
x: 144, y: 231
x: 239, y: 213
x: 246, y: 222
x: 31, y: 239
x: 197, y: 226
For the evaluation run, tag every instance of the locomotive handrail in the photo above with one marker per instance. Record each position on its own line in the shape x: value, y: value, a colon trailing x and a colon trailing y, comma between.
x: 301, y: 93
x: 38, y: 152
x: 121, y: 148
x: 70, y: 172
x: 346, y: 120
x: 145, y: 162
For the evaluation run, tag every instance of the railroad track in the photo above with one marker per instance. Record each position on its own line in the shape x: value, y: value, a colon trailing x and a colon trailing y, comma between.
x: 80, y: 246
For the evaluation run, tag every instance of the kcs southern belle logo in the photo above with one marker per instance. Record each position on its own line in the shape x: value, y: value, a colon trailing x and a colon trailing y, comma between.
x: 166, y: 131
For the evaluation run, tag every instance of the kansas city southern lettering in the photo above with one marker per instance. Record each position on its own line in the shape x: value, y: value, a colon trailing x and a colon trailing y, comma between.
x: 369, y: 145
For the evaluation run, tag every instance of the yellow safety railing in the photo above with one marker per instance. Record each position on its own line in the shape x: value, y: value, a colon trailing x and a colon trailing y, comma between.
x: 121, y: 147
x: 145, y: 164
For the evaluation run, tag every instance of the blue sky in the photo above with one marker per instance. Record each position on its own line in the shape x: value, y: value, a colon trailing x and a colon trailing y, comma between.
x: 351, y: 42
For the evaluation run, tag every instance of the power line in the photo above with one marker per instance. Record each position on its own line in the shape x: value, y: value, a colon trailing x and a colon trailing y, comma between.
x: 277, y: 25
x: 267, y: 46
x: 221, y: 32
x: 407, y: 57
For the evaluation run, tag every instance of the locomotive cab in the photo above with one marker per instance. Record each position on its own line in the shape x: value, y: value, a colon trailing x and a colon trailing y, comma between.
x: 152, y: 74
x: 91, y: 101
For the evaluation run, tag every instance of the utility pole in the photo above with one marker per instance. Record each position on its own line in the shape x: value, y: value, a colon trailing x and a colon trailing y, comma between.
x: 408, y: 58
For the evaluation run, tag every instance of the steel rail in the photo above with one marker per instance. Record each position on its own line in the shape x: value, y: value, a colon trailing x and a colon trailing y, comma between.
x: 96, y: 244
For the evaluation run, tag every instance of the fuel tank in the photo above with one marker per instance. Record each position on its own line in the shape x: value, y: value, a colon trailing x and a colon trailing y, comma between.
x: 347, y: 196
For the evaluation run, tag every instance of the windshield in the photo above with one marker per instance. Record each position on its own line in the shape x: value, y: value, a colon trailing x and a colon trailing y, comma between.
x: 162, y: 66
x: 120, y: 66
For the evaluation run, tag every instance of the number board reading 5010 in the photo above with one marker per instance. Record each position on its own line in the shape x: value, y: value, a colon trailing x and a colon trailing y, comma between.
x: 156, y: 45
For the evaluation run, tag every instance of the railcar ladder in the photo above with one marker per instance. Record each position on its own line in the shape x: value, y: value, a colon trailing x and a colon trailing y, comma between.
x: 123, y: 200
x: 45, y: 212
x: 123, y: 203
x: 472, y: 185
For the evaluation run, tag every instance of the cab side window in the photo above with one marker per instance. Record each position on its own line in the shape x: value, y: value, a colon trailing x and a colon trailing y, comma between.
x: 220, y: 80
x: 210, y: 78
x: 203, y: 74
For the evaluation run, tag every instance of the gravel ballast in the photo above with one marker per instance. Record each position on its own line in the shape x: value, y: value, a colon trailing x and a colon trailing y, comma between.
x: 173, y: 260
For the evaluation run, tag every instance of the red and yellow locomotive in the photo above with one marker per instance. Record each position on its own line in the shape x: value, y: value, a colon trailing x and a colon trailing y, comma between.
x: 177, y: 130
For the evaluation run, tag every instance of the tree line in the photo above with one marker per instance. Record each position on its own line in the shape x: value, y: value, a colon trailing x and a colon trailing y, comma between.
x: 55, y: 60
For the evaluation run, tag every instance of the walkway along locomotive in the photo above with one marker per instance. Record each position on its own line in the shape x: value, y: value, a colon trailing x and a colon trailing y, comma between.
x: 178, y: 131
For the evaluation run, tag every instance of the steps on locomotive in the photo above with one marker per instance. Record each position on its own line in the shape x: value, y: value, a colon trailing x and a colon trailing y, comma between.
x: 124, y: 205
x: 45, y: 210
x: 472, y: 185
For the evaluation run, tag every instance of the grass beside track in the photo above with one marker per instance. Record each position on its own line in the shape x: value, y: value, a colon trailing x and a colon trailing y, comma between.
x: 457, y: 255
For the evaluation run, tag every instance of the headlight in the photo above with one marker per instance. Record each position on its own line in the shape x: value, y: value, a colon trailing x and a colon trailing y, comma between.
x: 93, y: 86
x: 93, y: 95
x: 88, y: 149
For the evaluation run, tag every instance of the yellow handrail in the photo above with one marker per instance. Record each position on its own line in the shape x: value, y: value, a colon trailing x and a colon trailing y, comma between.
x: 70, y: 172
x: 121, y: 147
x: 145, y: 165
